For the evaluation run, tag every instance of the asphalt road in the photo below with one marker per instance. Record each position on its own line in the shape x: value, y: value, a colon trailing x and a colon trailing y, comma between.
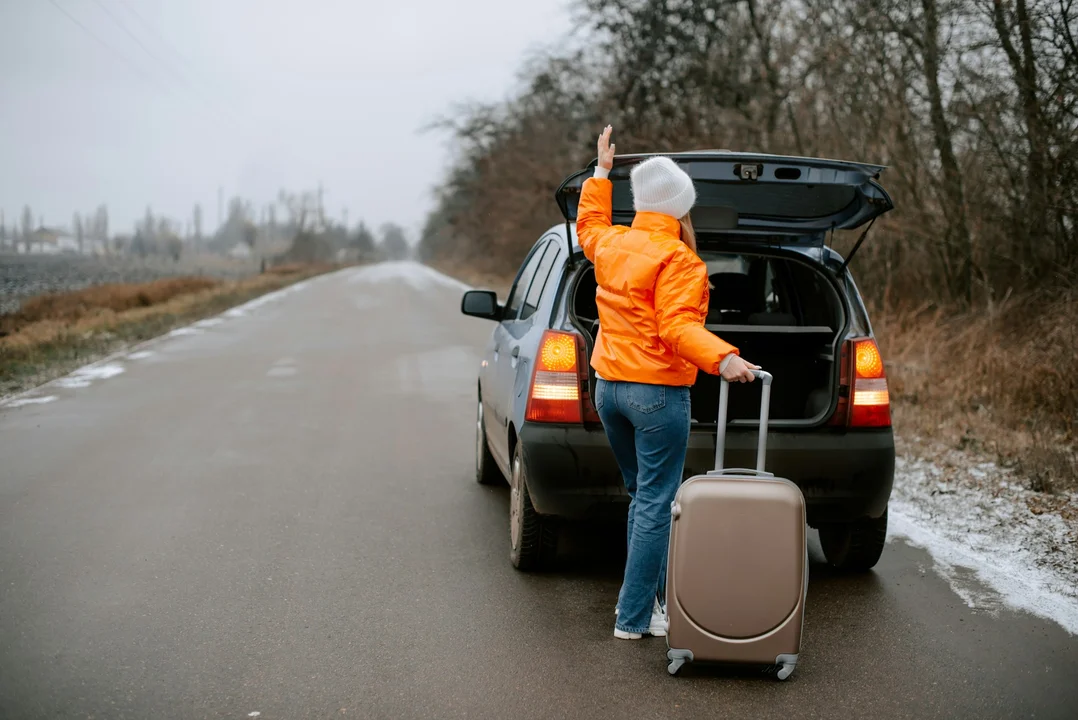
x: 277, y: 515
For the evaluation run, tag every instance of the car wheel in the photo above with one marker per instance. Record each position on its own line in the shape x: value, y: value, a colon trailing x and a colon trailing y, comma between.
x: 856, y: 546
x: 486, y: 470
x: 532, y: 538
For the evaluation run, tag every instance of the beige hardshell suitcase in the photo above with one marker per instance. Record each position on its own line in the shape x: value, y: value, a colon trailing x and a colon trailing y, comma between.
x: 737, y: 572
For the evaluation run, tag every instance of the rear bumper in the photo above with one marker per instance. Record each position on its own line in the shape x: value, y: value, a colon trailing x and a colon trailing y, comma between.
x: 844, y: 476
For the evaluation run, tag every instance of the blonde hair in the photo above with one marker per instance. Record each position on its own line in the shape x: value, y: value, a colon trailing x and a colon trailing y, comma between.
x: 688, y: 234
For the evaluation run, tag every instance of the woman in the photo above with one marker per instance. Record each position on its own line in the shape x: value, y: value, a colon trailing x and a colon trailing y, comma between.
x: 652, y: 298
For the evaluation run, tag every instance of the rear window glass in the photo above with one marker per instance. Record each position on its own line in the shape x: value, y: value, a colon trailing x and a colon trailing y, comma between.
x: 757, y: 290
x: 516, y: 297
x: 535, y: 292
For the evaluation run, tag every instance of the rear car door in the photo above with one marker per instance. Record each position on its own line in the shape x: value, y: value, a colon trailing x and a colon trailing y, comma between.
x: 498, y: 394
x: 524, y: 333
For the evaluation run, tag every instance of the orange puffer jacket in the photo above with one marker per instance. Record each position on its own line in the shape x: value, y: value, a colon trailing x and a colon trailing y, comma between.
x: 652, y: 296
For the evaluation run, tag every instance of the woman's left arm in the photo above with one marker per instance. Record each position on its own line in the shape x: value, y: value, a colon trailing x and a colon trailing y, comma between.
x: 595, y: 209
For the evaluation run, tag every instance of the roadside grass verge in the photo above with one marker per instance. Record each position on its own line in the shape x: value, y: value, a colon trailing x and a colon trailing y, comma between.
x: 1000, y: 381
x: 51, y: 335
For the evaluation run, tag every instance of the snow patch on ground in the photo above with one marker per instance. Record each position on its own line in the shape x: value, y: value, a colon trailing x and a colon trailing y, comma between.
x: 974, y: 520
x: 181, y: 332
x: 20, y: 402
x: 418, y: 276
x: 140, y: 355
x: 84, y: 376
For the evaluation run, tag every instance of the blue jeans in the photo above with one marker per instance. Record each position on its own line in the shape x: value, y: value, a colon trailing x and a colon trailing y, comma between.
x: 648, y: 429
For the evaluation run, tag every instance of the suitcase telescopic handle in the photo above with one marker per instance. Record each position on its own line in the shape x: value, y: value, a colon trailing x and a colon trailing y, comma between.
x: 765, y: 405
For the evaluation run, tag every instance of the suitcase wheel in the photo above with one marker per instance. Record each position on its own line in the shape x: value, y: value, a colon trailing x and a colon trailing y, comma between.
x: 784, y: 666
x: 677, y: 659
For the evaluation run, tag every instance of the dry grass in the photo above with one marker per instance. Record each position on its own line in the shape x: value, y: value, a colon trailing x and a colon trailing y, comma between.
x: 1003, y: 380
x: 292, y: 268
x: 70, y: 307
x: 52, y: 334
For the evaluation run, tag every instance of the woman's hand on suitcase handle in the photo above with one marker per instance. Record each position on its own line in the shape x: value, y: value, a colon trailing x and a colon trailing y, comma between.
x: 739, y: 370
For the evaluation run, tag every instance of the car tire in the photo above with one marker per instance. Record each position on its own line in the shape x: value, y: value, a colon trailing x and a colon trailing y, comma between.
x: 533, y: 539
x: 856, y: 546
x: 486, y: 469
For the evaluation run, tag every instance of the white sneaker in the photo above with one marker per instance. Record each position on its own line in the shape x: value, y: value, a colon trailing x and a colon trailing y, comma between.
x: 657, y: 627
x: 659, y: 623
x: 623, y: 635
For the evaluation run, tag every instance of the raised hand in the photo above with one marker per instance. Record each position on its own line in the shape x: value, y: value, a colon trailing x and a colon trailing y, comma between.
x: 606, y: 150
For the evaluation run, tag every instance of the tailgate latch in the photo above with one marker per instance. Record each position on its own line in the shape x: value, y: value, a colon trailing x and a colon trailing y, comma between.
x: 748, y: 171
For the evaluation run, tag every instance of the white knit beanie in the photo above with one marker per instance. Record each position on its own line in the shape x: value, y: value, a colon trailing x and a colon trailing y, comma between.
x: 660, y: 186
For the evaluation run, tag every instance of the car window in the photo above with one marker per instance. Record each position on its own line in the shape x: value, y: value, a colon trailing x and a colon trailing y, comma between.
x: 814, y: 296
x: 723, y: 263
x: 542, y: 274
x: 748, y: 290
x: 516, y: 295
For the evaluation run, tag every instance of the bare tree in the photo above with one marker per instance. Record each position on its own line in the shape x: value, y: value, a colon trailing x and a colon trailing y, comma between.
x: 300, y: 207
x: 100, y: 232
x: 973, y: 105
x: 27, y: 226
x: 196, y: 220
x: 363, y: 242
x: 76, y: 225
x: 394, y: 244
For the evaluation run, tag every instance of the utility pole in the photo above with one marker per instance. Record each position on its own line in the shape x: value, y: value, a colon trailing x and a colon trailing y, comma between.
x: 321, y: 208
x: 220, y: 207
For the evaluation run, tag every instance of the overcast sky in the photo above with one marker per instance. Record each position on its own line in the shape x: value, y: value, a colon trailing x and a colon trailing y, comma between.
x: 251, y: 95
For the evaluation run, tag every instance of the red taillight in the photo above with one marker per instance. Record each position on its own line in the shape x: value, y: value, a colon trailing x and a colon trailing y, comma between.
x: 868, y: 361
x: 555, y: 395
x: 871, y: 404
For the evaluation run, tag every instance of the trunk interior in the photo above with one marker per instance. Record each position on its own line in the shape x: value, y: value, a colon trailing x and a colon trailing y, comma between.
x: 781, y: 314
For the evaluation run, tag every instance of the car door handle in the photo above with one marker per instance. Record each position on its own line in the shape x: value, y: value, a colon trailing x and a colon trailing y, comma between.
x: 516, y: 352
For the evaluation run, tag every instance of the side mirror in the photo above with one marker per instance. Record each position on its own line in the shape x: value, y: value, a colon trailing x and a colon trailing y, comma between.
x: 481, y: 304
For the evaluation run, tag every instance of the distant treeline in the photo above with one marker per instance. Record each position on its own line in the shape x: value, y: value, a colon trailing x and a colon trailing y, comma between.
x: 302, y: 233
x: 972, y: 103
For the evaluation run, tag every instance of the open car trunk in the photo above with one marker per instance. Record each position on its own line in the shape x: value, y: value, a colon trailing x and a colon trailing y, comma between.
x: 782, y: 314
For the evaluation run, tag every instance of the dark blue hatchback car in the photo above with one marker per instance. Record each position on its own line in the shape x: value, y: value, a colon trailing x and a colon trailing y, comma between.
x: 781, y: 295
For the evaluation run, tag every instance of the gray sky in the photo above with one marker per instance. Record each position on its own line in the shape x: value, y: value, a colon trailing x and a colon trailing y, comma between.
x: 254, y: 95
